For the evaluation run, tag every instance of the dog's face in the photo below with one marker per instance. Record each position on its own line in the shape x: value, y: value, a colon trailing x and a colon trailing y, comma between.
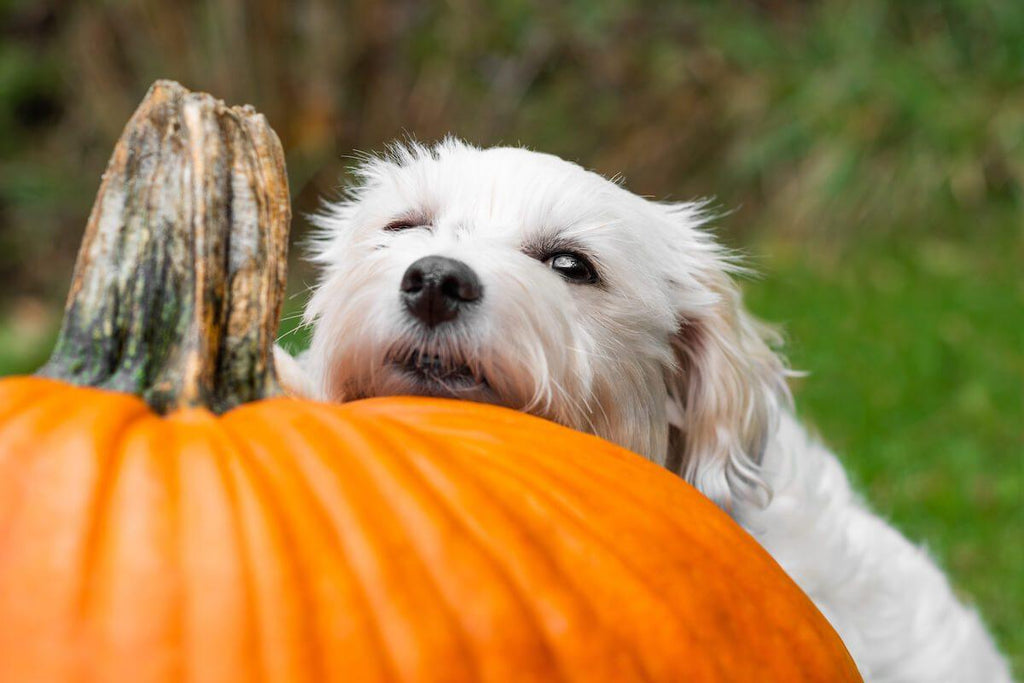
x: 517, y: 278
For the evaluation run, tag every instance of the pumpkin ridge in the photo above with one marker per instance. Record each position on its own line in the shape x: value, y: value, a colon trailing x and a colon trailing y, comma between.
x: 259, y: 533
x: 623, y: 568
x: 22, y: 510
x: 809, y: 628
x: 628, y: 496
x: 130, y: 600
x: 104, y: 488
x: 10, y: 455
x: 416, y: 451
x: 170, y: 459
x: 371, y: 470
x: 19, y: 394
x: 301, y: 446
x: 714, y: 521
x: 309, y: 657
x: 528, y: 534
x: 38, y: 409
x: 105, y: 470
x: 307, y: 427
x: 223, y: 454
x: 246, y: 554
x: 373, y: 499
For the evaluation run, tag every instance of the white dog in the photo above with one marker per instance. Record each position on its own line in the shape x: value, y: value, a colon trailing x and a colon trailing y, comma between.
x: 517, y: 278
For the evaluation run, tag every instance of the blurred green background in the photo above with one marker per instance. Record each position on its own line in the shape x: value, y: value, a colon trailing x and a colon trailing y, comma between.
x: 869, y: 156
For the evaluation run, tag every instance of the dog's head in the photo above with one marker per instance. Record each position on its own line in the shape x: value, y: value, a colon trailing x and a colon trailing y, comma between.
x: 516, y: 278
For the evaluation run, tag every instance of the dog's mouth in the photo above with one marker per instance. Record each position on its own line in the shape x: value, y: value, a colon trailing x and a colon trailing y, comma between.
x: 435, y: 374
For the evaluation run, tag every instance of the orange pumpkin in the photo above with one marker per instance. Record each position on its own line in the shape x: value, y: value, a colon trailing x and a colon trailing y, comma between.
x: 286, y: 540
x: 407, y: 539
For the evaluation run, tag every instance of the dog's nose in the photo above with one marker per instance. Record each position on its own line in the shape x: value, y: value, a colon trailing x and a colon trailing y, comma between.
x: 436, y: 288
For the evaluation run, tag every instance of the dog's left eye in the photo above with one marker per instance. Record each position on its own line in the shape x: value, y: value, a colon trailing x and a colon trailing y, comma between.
x: 573, y: 267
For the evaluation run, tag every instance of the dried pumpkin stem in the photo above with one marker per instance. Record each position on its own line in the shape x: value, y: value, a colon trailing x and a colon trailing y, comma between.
x: 179, y: 280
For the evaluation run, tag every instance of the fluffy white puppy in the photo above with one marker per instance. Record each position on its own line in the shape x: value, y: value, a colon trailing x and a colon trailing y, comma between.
x: 517, y: 278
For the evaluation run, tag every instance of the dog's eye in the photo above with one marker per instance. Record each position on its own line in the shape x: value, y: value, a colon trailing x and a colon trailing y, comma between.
x: 573, y: 267
x: 400, y: 224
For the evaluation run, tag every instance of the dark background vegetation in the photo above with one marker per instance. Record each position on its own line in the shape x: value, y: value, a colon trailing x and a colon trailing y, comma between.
x: 870, y: 156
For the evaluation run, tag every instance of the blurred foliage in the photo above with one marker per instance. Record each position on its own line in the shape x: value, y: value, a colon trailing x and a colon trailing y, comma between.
x: 871, y: 154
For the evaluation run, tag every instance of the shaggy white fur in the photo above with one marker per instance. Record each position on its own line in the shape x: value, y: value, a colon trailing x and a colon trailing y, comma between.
x: 654, y: 352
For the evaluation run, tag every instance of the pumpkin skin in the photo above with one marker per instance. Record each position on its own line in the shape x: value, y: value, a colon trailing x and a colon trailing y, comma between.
x: 389, y: 539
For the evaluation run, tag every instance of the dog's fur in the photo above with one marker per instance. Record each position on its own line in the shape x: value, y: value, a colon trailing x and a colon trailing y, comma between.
x: 659, y: 355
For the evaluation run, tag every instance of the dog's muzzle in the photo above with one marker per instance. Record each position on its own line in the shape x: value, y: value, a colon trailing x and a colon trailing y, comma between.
x: 435, y: 289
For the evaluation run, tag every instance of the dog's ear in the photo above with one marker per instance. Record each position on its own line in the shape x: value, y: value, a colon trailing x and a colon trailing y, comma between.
x: 726, y: 389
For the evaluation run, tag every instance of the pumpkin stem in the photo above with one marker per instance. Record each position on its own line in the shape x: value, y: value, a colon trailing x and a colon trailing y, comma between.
x: 178, y: 286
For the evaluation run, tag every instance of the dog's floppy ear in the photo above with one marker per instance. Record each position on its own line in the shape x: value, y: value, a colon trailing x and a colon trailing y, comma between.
x: 725, y: 393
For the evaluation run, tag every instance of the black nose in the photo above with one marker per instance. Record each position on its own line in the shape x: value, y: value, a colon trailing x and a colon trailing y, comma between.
x: 435, y: 288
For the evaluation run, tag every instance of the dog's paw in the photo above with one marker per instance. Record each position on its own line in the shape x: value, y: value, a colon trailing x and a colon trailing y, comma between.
x: 292, y: 376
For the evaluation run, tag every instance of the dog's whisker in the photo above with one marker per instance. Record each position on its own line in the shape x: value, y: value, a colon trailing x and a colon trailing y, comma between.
x: 283, y: 335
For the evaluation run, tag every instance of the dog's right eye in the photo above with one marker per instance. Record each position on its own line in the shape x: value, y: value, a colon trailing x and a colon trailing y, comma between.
x: 401, y: 224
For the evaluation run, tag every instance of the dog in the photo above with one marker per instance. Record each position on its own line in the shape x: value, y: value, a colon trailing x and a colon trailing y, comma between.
x: 512, y: 277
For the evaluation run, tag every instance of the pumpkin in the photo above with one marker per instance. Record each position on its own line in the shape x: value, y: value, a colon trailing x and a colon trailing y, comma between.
x: 165, y: 516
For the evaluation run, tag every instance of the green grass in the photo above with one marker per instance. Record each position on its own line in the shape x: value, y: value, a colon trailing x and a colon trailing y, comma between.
x: 23, y: 351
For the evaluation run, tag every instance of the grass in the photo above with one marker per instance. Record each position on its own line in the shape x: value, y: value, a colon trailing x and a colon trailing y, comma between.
x: 24, y: 347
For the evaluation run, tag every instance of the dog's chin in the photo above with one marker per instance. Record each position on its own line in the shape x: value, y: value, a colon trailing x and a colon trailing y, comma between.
x: 419, y: 374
